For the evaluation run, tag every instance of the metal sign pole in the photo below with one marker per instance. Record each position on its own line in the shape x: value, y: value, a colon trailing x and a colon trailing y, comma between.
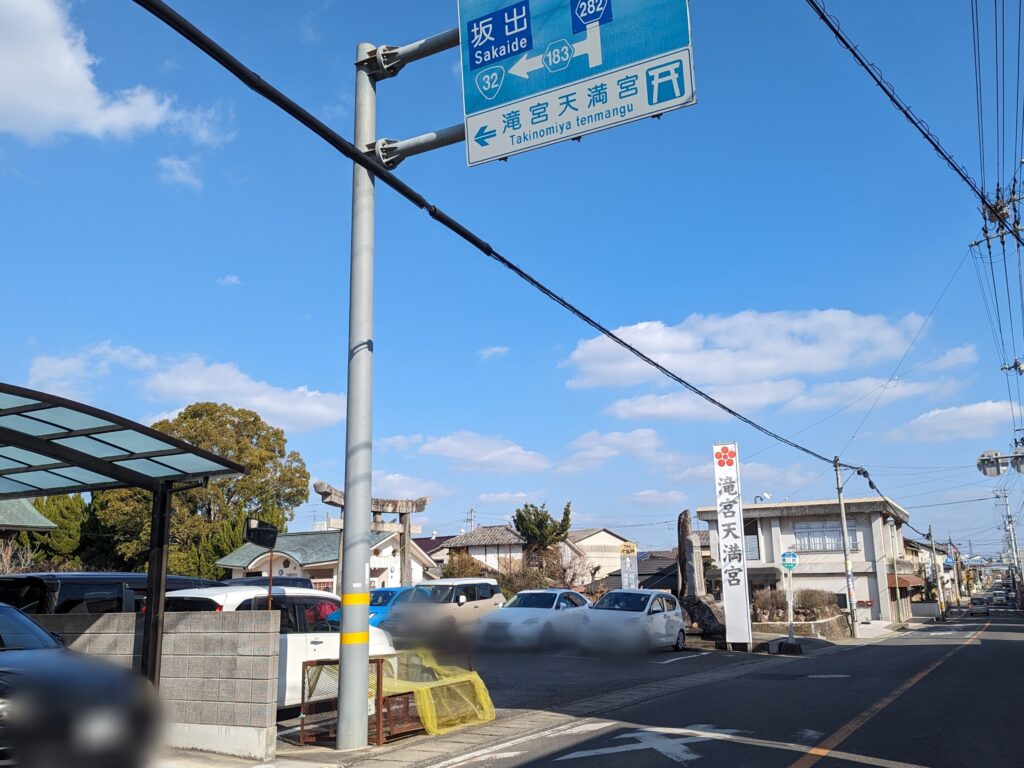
x: 789, y: 605
x: 354, y: 655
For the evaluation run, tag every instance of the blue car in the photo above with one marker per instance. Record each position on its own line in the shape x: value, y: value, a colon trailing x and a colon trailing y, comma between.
x: 381, y: 601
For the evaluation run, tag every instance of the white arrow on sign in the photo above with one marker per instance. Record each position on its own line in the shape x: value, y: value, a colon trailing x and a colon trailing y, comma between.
x: 589, y: 47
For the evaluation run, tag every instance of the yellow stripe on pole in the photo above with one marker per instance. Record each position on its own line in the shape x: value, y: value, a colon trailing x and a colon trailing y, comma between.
x: 356, y: 598
x: 355, y: 638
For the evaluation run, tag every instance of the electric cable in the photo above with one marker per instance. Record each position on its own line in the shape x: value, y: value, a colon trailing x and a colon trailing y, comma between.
x: 369, y: 162
x: 922, y: 127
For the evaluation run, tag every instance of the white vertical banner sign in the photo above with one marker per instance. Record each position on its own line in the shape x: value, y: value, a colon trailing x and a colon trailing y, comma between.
x: 628, y: 566
x: 731, y: 554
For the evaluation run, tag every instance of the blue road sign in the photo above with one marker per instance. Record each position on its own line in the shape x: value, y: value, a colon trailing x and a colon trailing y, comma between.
x: 790, y: 560
x: 536, y: 72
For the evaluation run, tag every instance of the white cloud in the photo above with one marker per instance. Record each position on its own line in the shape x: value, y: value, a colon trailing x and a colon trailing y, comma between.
x: 658, y: 498
x: 488, y: 352
x: 689, y: 407
x: 507, y: 497
x: 961, y: 422
x: 391, y: 485
x: 296, y: 410
x: 400, y: 443
x: 471, y: 451
x: 954, y: 358
x: 70, y: 376
x: 747, y: 346
x: 865, y: 391
x: 593, y: 449
x: 229, y: 280
x: 47, y: 84
x: 178, y: 170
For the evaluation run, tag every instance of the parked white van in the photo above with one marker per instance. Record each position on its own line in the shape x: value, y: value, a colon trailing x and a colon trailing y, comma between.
x: 306, y: 633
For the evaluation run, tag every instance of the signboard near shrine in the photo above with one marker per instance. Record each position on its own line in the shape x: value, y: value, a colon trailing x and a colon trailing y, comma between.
x: 536, y: 72
x: 731, y: 554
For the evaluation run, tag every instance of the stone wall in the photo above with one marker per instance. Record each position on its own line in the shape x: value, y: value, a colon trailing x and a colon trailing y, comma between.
x: 218, y: 672
x: 834, y: 628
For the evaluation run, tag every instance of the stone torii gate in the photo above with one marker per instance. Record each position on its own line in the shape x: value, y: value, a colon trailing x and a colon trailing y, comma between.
x: 404, y: 508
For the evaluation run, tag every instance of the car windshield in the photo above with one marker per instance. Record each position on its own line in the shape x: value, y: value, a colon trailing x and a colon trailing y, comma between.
x: 977, y: 601
x: 622, y: 601
x: 532, y: 600
x: 436, y: 593
x: 18, y: 632
x: 381, y: 597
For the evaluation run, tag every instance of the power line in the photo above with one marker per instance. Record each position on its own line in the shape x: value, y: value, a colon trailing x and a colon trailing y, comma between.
x: 949, y: 503
x: 369, y: 162
x: 922, y: 127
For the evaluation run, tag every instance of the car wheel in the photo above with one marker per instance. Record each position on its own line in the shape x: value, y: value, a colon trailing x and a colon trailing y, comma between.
x: 680, y: 643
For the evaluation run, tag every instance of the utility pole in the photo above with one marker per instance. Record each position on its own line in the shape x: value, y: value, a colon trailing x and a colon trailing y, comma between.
x: 956, y: 571
x: 895, y: 570
x: 936, y: 570
x: 1012, y: 536
x: 373, y: 63
x: 851, y: 597
x: 354, y: 651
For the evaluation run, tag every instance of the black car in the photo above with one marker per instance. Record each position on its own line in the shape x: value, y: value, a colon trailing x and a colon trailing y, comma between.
x: 40, y: 593
x: 60, y: 708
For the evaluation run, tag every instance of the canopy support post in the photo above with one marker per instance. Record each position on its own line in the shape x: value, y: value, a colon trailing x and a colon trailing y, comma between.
x: 156, y: 586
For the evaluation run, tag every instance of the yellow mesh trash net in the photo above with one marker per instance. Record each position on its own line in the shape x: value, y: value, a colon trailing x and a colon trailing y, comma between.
x: 447, y: 697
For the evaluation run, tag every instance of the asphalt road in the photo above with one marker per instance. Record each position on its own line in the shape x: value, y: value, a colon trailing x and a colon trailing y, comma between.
x: 946, y: 695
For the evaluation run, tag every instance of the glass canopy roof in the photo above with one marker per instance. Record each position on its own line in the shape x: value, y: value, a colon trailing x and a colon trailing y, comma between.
x: 50, y: 445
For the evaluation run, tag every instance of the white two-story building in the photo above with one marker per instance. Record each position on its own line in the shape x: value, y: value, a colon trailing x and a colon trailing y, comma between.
x: 812, y: 530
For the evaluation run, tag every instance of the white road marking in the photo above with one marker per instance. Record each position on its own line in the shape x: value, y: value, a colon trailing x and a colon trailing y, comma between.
x: 468, y: 758
x: 809, y: 734
x: 724, y: 735
x: 681, y: 658
x: 674, y: 749
x: 826, y: 677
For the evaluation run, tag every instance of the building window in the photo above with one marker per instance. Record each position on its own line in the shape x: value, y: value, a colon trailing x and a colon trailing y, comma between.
x: 823, y: 536
x: 751, y: 547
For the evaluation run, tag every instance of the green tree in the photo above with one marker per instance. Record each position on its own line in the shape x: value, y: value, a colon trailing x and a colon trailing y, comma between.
x: 59, y: 548
x: 207, y: 523
x: 540, y: 530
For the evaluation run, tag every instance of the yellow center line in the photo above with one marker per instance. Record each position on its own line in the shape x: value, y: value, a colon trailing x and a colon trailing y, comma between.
x: 827, y: 746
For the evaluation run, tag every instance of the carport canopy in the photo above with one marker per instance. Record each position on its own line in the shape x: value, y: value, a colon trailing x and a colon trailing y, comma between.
x: 50, y: 445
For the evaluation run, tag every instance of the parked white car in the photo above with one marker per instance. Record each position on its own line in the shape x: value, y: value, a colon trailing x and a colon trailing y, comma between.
x: 633, y: 619
x: 306, y: 634
x: 534, y: 618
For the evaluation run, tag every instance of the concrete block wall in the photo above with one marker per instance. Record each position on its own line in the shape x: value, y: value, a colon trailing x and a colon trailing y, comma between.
x: 218, y: 672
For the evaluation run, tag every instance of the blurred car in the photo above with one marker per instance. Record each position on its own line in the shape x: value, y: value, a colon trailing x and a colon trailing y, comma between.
x: 307, y: 633
x: 41, y: 593
x: 443, y: 609
x: 534, y: 618
x: 978, y: 607
x: 998, y: 597
x: 633, y: 620
x: 381, y: 602
x: 60, y: 708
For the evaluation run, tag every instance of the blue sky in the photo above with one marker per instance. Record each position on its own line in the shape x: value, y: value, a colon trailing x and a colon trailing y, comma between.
x: 168, y: 237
